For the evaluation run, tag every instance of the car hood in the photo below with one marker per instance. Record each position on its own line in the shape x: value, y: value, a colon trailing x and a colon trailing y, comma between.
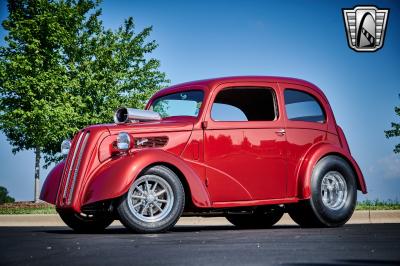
x: 165, y: 125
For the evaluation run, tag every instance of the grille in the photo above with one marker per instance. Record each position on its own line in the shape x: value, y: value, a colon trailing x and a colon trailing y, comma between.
x: 72, y: 168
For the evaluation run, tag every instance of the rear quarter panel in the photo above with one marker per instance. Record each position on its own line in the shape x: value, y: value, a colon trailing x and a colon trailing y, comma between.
x: 315, y: 154
x: 308, y: 142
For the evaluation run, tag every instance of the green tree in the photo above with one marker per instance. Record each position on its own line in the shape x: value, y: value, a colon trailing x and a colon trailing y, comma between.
x: 4, y: 198
x: 61, y: 70
x: 395, y: 131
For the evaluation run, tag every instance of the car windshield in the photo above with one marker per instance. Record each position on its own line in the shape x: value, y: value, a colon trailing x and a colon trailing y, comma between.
x: 186, y: 103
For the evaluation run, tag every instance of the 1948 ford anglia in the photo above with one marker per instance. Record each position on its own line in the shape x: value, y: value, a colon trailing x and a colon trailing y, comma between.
x: 246, y: 148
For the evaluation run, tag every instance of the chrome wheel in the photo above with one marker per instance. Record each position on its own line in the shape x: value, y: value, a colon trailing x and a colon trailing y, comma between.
x: 333, y: 190
x: 150, y: 198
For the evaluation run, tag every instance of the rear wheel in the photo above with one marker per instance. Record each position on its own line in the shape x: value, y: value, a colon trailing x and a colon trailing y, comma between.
x: 154, y: 202
x: 85, y: 223
x: 259, y: 219
x: 333, y: 195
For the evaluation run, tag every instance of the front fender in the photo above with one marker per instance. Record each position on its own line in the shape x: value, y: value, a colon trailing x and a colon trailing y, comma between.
x: 114, y: 178
x: 52, y: 183
x: 310, y: 160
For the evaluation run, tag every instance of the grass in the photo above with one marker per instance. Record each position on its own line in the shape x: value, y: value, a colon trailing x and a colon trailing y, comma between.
x: 378, y: 205
x: 27, y: 207
x: 44, y: 208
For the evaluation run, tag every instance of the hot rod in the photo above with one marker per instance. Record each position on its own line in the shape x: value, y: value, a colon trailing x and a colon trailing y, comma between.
x: 246, y: 148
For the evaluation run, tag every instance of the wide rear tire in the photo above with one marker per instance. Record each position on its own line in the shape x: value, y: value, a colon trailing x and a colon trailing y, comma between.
x: 333, y: 195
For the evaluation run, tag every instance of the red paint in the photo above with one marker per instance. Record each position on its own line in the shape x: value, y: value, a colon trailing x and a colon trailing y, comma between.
x: 246, y: 159
x: 223, y: 164
x: 51, y: 184
x: 115, y: 177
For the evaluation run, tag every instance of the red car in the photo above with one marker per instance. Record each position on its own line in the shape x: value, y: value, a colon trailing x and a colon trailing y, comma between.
x: 246, y: 148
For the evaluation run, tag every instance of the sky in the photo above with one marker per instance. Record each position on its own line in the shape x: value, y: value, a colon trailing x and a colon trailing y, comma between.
x: 301, y: 39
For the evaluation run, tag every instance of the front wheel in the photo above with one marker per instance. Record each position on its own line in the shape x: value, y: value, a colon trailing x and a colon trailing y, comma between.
x: 333, y: 195
x: 154, y: 202
x: 83, y: 223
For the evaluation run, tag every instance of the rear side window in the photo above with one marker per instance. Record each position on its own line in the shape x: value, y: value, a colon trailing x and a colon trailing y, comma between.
x: 244, y: 104
x: 301, y: 106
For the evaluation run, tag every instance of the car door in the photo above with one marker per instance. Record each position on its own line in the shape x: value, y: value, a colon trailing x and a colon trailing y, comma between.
x: 244, y: 143
x: 305, y: 124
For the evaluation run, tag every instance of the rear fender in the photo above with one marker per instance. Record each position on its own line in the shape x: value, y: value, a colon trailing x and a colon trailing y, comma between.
x: 52, y: 183
x: 315, y: 154
x: 115, y: 178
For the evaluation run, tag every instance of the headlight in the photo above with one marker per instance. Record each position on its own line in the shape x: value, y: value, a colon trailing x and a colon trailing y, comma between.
x: 123, y: 141
x: 65, y: 146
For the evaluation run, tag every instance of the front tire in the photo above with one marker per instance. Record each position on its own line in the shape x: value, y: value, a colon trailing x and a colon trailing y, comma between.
x: 82, y: 223
x: 333, y: 195
x: 259, y: 219
x: 154, y: 202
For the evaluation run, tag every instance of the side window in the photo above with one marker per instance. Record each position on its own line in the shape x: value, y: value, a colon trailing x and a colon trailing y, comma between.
x: 301, y: 106
x: 244, y: 104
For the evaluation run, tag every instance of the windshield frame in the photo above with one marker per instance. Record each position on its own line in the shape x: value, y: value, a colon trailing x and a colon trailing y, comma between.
x: 171, y: 91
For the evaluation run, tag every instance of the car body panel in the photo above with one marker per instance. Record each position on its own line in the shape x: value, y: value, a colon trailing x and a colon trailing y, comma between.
x: 117, y: 175
x: 51, y: 184
x: 223, y: 164
x: 316, y: 153
x: 245, y: 158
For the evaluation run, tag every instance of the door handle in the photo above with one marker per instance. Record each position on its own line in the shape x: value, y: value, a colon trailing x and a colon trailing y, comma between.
x: 280, y: 132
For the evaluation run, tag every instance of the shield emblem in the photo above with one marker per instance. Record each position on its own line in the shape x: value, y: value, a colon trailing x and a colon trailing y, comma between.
x: 365, y: 26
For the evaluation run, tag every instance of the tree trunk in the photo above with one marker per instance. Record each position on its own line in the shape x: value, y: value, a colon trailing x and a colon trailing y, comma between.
x: 37, y: 174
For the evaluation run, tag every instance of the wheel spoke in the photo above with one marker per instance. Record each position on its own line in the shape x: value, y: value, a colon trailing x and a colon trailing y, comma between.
x: 162, y: 200
x: 144, y: 208
x: 140, y: 189
x: 137, y: 204
x: 151, y: 211
x: 160, y: 192
x: 340, y: 194
x: 158, y: 207
x: 325, y: 196
x: 147, y: 185
x: 138, y: 197
x: 154, y: 187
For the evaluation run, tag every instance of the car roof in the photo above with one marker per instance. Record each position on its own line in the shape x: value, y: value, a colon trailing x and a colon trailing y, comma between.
x: 213, y: 82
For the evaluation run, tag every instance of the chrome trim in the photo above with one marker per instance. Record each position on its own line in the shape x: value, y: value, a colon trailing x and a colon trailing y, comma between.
x: 150, y: 199
x: 121, y: 138
x: 63, y: 147
x: 281, y: 132
x: 71, y: 190
x: 78, y: 143
x: 124, y: 115
x: 334, y: 190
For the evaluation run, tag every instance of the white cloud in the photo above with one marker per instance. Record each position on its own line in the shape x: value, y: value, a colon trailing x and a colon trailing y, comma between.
x: 387, y: 167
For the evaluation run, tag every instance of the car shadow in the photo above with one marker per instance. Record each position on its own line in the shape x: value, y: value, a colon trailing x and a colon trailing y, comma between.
x: 119, y: 229
x: 178, y: 228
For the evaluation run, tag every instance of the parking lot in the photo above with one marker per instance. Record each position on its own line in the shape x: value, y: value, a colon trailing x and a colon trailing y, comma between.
x: 204, y: 244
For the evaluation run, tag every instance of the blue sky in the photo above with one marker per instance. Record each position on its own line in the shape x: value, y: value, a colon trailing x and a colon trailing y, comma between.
x: 302, y: 39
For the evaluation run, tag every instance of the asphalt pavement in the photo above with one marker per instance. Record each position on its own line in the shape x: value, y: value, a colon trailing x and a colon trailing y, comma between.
x: 353, y: 244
